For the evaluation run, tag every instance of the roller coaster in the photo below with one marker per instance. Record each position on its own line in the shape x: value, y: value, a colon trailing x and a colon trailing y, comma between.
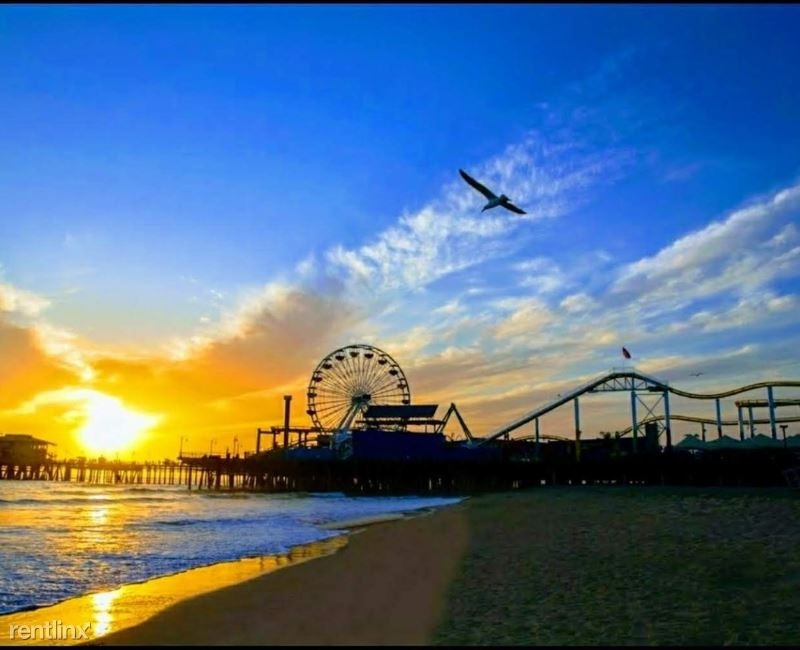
x: 636, y: 383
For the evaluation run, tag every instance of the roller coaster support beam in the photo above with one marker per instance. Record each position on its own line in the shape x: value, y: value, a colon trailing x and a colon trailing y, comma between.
x: 703, y: 430
x: 536, y: 434
x: 741, y: 423
x: 719, y: 419
x: 750, y: 421
x: 577, y: 430
x: 771, y: 401
x: 666, y: 420
x: 634, y: 419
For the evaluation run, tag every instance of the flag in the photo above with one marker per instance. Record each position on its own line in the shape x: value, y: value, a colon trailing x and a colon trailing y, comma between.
x: 625, y: 353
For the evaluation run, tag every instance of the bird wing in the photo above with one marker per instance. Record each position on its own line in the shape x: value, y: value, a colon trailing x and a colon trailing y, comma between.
x: 512, y: 207
x: 481, y: 188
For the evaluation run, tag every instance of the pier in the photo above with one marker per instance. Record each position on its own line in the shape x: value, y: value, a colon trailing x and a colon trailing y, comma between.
x: 358, y: 446
x: 518, y: 464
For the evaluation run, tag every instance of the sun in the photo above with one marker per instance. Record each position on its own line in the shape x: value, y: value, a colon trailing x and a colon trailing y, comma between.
x: 110, y: 427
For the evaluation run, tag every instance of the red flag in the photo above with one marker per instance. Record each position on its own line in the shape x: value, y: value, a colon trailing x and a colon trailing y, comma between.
x: 625, y: 353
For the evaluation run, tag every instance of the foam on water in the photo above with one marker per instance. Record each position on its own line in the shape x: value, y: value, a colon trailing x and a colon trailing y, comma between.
x: 60, y: 540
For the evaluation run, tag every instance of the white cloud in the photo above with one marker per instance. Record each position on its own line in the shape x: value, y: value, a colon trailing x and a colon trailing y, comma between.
x: 450, y: 308
x: 577, y: 302
x: 683, y: 261
x: 65, y: 346
x: 528, y: 318
x: 450, y: 234
x: 27, y: 303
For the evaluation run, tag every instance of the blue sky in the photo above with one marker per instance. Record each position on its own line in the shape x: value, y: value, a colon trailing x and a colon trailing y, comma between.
x: 250, y: 187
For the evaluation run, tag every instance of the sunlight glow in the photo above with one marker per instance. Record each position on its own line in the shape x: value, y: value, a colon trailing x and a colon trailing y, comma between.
x: 111, y: 427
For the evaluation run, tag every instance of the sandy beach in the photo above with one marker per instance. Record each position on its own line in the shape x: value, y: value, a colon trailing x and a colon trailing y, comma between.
x: 387, y: 586
x: 573, y: 566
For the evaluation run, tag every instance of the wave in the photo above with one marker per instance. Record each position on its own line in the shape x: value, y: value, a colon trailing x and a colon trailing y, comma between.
x: 162, y: 532
x: 249, y: 518
x: 89, y: 499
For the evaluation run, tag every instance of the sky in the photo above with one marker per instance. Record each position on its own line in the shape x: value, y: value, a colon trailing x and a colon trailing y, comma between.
x: 198, y: 204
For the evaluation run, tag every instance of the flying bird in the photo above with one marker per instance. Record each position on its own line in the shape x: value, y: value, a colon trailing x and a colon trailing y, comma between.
x: 494, y: 200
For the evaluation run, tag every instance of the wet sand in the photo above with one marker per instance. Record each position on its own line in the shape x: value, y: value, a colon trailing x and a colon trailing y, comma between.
x: 131, y: 604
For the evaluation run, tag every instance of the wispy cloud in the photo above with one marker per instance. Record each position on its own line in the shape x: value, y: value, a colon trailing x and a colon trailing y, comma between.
x: 450, y: 234
x: 682, y: 172
x: 27, y: 303
x: 685, y: 261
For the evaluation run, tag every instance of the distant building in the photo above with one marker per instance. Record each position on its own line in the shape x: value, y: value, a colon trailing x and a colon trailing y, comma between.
x: 22, y: 449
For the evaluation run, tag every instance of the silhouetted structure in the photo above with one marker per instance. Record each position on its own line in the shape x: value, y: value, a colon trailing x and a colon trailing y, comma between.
x: 23, y: 455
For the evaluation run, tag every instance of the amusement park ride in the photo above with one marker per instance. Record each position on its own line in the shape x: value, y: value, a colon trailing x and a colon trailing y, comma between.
x: 359, y: 398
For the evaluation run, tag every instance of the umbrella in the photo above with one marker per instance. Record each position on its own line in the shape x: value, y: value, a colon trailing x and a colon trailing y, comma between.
x: 692, y: 442
x: 761, y: 441
x: 725, y: 442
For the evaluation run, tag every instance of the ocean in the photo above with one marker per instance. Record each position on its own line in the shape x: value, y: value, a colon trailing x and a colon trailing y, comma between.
x: 62, y: 540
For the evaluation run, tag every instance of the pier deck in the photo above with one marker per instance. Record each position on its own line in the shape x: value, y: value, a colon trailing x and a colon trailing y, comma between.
x: 276, y: 472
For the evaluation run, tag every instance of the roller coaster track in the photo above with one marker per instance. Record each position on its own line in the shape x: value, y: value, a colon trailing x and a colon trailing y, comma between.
x: 735, y: 391
x: 692, y: 418
x: 628, y: 380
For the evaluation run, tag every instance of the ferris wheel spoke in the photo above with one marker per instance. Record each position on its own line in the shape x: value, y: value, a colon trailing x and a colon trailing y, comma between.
x: 332, y: 405
x: 335, y: 372
x: 396, y: 388
x: 340, y: 380
x: 366, y: 368
x: 388, y: 385
x: 388, y: 396
x: 331, y: 414
x: 381, y: 382
x: 374, y: 373
x: 334, y: 385
x: 327, y: 402
x: 333, y: 389
x: 388, y: 382
x: 357, y: 372
x: 346, y: 371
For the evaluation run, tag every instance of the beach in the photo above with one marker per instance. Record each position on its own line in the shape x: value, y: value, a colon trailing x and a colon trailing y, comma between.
x: 386, y: 586
x: 563, y: 565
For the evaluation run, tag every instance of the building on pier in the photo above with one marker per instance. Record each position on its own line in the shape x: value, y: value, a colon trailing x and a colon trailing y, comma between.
x: 22, y: 448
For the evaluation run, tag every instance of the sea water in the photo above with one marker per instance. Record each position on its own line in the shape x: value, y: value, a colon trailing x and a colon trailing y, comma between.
x: 61, y: 540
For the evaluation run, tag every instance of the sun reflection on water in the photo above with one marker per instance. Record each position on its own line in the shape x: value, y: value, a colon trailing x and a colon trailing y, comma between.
x: 98, y: 515
x: 102, y: 613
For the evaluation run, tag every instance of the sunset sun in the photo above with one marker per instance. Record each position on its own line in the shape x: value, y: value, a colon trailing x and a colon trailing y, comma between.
x: 110, y: 426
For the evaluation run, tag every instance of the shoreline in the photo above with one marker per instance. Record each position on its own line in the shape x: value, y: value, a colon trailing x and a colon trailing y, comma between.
x: 385, y: 585
x: 111, y: 611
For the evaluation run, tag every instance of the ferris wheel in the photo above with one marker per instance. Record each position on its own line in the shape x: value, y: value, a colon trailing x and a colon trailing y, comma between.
x: 348, y: 380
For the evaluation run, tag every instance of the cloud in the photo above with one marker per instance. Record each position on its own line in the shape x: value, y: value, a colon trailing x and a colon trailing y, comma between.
x: 450, y: 234
x: 529, y: 316
x: 577, y: 302
x: 683, y: 262
x: 37, y: 338
x: 14, y: 299
x: 682, y: 172
x: 26, y: 367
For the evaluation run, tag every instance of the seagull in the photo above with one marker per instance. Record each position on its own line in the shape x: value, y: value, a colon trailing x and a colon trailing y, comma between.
x: 494, y: 200
x: 697, y: 374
